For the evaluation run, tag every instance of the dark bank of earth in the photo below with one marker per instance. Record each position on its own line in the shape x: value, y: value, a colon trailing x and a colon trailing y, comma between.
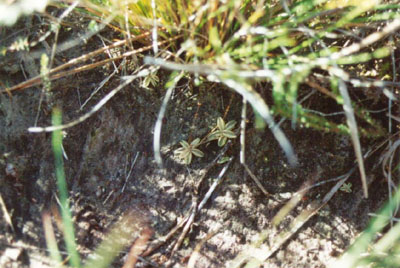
x: 101, y: 151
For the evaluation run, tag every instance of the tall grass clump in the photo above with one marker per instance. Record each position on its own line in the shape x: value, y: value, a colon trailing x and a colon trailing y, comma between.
x: 281, y: 45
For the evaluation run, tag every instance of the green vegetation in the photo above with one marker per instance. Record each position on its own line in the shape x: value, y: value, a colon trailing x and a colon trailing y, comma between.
x: 120, y: 235
x: 222, y: 132
x: 68, y: 227
x: 365, y: 252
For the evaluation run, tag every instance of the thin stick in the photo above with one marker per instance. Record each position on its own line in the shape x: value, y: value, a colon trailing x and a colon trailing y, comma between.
x: 95, y: 108
x: 160, y: 241
x: 243, y: 133
x: 138, y: 247
x: 196, y: 252
x: 257, y: 181
x: 100, y: 86
x: 6, y: 214
x: 54, y: 75
x: 185, y: 230
x: 243, y: 148
x: 129, y: 173
x: 200, y: 206
x: 158, y: 125
x: 214, y: 185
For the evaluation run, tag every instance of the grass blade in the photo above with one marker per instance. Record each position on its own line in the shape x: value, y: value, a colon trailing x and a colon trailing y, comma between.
x: 352, y: 256
x: 68, y: 228
x: 261, y: 107
x: 157, y: 128
x: 121, y: 234
x: 351, y: 122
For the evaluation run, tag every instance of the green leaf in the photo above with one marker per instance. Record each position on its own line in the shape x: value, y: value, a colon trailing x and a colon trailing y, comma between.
x: 230, y: 125
x: 229, y: 134
x: 187, y: 150
x: 220, y: 123
x: 213, y: 136
x: 222, y: 141
x: 214, y: 38
x: 223, y: 159
x: 184, y: 144
x: 188, y: 159
x: 195, y: 142
x: 197, y: 153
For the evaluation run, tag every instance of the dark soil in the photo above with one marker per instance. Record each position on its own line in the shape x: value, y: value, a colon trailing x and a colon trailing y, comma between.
x: 101, y: 150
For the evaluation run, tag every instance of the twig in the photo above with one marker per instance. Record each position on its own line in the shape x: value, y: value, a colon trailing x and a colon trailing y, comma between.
x: 130, y: 171
x: 257, y: 181
x: 296, y: 198
x: 160, y: 241
x: 369, y: 40
x: 109, y: 53
x: 6, y: 214
x: 100, y: 86
x: 108, y: 196
x: 138, y: 247
x: 160, y: 116
x: 197, y: 208
x: 95, y: 108
x: 214, y: 185
x: 55, y: 74
x: 186, y: 228
x: 196, y: 252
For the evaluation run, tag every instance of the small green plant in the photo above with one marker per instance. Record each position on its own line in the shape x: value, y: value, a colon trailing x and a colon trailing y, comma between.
x: 187, y: 150
x: 346, y: 187
x: 221, y: 132
x: 151, y: 79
